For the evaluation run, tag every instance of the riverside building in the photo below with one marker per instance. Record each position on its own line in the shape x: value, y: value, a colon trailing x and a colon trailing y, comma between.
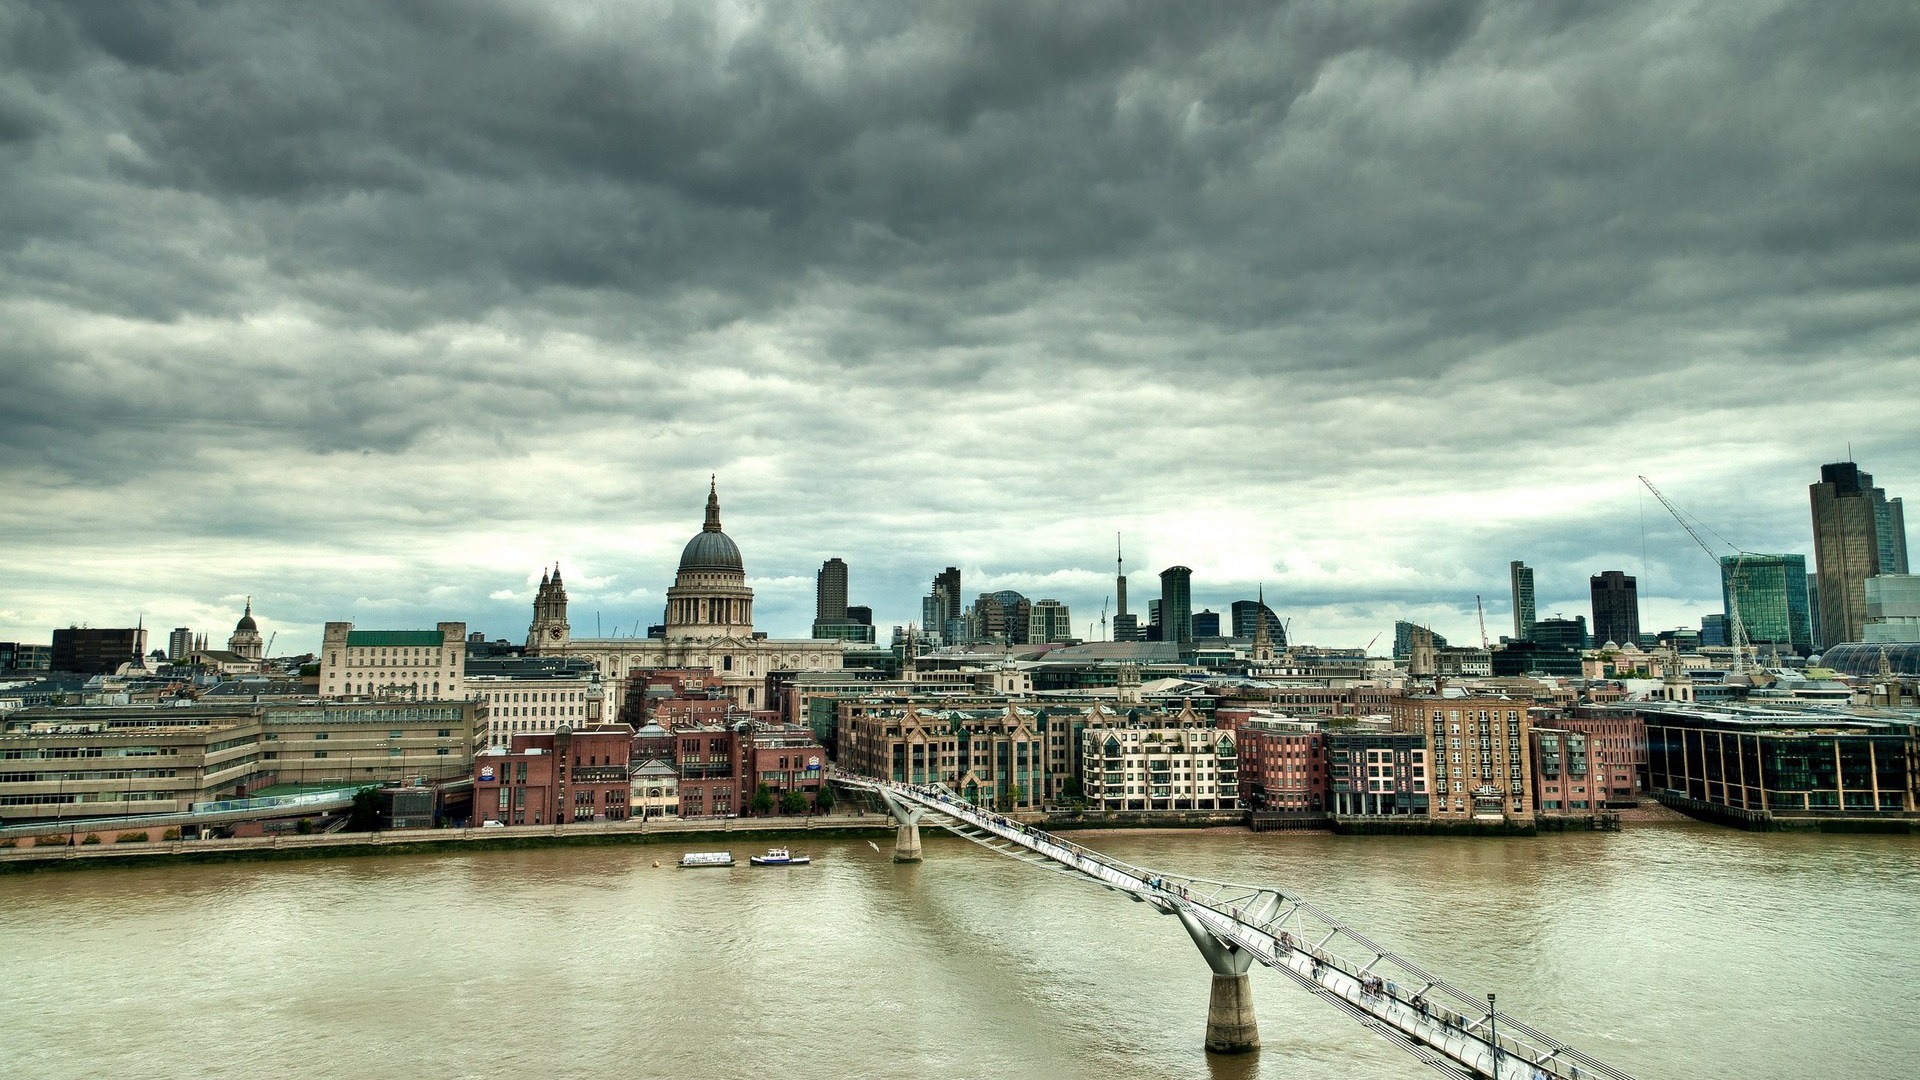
x: 1478, y: 752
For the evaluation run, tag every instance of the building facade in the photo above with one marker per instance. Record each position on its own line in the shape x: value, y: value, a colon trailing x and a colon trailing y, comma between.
x: 1153, y: 768
x: 1176, y: 604
x: 97, y: 650
x: 556, y: 778
x: 417, y: 665
x: 1520, y: 579
x: 1378, y: 774
x: 1478, y: 751
x: 1771, y: 593
x: 1857, y: 533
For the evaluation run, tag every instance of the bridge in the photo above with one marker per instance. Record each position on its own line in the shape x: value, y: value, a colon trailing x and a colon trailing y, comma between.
x: 1236, y: 926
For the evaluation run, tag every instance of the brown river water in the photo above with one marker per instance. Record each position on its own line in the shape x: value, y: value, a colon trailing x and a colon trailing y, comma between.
x: 1666, y: 950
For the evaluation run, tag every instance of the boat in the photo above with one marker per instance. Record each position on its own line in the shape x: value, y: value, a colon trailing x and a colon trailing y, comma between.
x: 779, y: 856
x: 695, y: 859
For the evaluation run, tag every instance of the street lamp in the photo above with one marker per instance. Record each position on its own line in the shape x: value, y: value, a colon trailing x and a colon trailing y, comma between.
x: 1493, y: 1035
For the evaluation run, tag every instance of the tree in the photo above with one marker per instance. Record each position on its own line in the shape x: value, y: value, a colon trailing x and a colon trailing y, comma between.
x: 1014, y: 795
x: 365, y: 816
x: 823, y: 801
x: 793, y: 803
x: 762, y: 802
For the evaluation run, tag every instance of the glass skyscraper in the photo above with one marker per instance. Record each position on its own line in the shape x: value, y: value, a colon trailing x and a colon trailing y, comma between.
x: 1772, y: 594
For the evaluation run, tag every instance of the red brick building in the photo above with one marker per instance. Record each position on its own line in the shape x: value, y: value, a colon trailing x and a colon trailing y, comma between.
x: 1283, y: 769
x: 551, y: 779
x: 721, y: 766
x: 1618, y: 743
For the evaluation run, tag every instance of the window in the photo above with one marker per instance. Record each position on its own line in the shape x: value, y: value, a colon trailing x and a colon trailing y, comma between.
x: 320, y: 736
x: 319, y: 753
x: 444, y: 733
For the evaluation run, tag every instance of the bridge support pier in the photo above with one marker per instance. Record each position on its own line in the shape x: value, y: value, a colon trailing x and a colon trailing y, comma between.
x: 1231, y: 1026
x: 906, y: 838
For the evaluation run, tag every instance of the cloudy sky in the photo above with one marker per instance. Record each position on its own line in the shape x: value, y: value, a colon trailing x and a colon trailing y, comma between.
x: 372, y: 310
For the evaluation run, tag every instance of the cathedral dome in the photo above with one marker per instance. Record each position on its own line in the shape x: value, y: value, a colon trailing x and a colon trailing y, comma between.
x: 711, y: 549
x: 246, y: 621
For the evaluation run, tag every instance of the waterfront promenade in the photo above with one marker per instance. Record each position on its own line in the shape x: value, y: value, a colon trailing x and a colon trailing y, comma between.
x: 656, y: 831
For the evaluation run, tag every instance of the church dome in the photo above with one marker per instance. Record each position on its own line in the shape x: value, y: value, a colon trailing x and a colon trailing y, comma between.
x: 711, y: 549
x: 246, y: 621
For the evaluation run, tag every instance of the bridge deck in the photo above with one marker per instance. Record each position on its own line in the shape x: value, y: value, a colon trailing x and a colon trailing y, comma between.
x: 1438, y: 1022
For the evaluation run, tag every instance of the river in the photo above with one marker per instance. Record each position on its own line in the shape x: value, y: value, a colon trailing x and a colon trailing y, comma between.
x: 1666, y: 950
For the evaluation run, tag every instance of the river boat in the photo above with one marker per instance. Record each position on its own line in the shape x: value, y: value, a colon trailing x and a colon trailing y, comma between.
x: 695, y: 859
x: 779, y: 856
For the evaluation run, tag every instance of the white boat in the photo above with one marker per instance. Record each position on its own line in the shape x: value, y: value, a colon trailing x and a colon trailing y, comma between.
x: 779, y: 856
x: 695, y: 859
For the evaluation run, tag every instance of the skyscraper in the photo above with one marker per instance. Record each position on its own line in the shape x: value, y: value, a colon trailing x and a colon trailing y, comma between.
x: 1249, y: 614
x: 1176, y: 604
x: 1521, y: 576
x: 1616, y: 608
x: 1857, y: 533
x: 1119, y: 581
x: 1048, y: 621
x: 1206, y: 624
x: 949, y: 580
x: 1813, y: 609
x: 830, y: 592
x: 179, y: 643
x: 1771, y: 592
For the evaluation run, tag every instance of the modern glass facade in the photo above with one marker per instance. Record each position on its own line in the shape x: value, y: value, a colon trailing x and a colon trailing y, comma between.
x: 1763, y: 767
x: 1771, y: 591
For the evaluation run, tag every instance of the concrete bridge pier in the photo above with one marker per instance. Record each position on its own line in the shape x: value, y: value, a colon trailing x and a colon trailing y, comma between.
x: 906, y: 837
x: 1231, y: 1027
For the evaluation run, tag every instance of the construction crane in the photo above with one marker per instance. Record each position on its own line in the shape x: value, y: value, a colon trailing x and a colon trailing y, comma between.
x: 271, y: 638
x: 1480, y: 610
x: 1103, y: 617
x: 1735, y: 627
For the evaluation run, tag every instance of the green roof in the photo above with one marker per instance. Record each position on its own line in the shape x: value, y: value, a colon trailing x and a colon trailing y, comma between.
x: 385, y: 638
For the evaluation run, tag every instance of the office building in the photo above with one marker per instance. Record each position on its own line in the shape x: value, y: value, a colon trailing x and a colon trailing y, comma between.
x: 555, y: 778
x: 1404, y: 634
x: 1857, y: 533
x: 1520, y: 578
x: 1813, y: 609
x: 535, y: 695
x: 833, y: 619
x: 1748, y: 765
x: 1249, y: 614
x: 1616, y: 608
x: 417, y: 665
x: 1714, y: 632
x: 1771, y: 594
x: 97, y: 651
x: 1049, y: 622
x: 1176, y: 604
x: 1563, y: 633
x: 1206, y: 624
x: 1893, y: 608
x: 1127, y: 628
x: 1003, y: 617
x: 179, y: 643
x: 20, y: 656
x: 946, y: 585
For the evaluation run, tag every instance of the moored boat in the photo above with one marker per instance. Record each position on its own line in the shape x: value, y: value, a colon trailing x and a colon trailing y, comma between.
x: 779, y: 856
x: 694, y: 859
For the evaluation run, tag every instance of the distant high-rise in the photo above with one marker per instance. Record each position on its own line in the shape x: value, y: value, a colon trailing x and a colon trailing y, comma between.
x: 1127, y: 628
x: 949, y: 580
x: 1771, y: 594
x: 1004, y: 617
x: 1176, y: 604
x: 1521, y: 576
x: 179, y: 643
x: 1713, y: 630
x: 1857, y: 533
x: 1206, y: 624
x: 830, y: 591
x: 1048, y: 622
x: 98, y: 651
x: 1616, y: 607
x: 1404, y: 635
x: 1249, y: 614
x: 1119, y: 584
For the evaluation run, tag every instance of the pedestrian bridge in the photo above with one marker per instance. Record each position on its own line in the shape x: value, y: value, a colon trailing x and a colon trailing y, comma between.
x: 1236, y: 926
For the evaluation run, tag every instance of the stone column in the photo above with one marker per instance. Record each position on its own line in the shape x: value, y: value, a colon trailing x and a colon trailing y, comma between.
x: 906, y: 841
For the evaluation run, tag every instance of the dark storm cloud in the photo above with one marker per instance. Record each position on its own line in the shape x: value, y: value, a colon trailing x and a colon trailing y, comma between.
x: 948, y: 282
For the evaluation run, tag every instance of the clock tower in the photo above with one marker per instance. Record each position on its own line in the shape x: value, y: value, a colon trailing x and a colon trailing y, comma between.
x: 549, y: 631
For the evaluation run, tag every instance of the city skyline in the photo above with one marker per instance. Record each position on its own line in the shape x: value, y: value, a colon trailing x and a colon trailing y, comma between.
x: 374, y: 317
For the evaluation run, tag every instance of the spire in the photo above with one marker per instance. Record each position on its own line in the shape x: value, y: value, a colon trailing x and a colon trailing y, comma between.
x: 543, y: 581
x: 713, y: 505
x: 249, y: 611
x: 556, y: 573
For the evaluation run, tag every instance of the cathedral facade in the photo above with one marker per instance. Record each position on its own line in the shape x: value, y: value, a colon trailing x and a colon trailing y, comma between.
x: 709, y: 624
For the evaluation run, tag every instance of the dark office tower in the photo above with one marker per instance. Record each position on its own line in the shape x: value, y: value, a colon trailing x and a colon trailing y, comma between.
x: 860, y: 613
x: 1249, y: 614
x: 1119, y: 584
x: 1521, y: 577
x: 1153, y: 620
x: 96, y: 652
x: 179, y: 643
x: 1616, y: 608
x: 1857, y: 533
x: 1206, y: 624
x: 1713, y: 630
x: 830, y: 592
x: 949, y: 579
x: 1176, y: 604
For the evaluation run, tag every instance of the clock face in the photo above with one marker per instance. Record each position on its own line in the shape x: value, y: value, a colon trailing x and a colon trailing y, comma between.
x: 554, y: 632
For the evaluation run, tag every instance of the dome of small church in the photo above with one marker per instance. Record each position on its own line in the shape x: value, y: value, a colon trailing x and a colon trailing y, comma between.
x: 711, y: 549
